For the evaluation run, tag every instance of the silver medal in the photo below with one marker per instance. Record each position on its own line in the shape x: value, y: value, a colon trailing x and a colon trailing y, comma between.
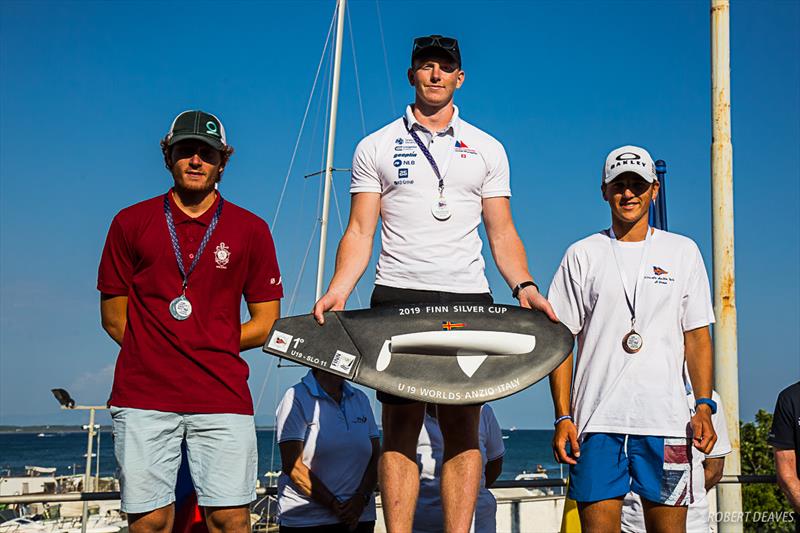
x: 632, y: 342
x: 440, y: 210
x: 180, y: 308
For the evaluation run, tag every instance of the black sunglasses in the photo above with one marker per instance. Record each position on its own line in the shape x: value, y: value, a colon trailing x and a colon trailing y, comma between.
x: 448, y: 43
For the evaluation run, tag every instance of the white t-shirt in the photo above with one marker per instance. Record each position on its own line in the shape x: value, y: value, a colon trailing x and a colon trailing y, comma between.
x: 337, y: 448
x: 428, y: 517
x: 419, y: 251
x: 617, y: 392
x: 697, y: 515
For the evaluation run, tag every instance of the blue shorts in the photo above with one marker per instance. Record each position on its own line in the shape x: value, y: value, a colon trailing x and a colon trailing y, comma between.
x: 658, y: 469
x: 221, y: 448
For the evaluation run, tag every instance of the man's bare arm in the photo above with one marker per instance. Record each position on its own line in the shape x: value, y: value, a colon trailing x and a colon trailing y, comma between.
x: 786, y: 470
x: 712, y: 471
x: 352, y: 256
x: 509, y: 253
x: 255, y: 330
x: 114, y: 315
x: 560, y: 387
x: 698, y: 353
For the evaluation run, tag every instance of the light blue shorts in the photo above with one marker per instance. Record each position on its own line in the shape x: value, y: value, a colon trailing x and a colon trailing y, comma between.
x: 223, y: 458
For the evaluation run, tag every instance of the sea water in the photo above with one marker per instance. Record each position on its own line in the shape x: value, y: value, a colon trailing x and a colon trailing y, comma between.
x: 525, y: 450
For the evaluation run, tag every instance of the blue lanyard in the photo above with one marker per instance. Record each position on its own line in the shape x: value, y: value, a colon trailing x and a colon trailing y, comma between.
x: 427, y: 155
x: 642, y: 263
x: 176, y: 245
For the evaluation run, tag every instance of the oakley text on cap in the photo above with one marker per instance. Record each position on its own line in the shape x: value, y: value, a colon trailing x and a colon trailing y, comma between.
x: 629, y: 159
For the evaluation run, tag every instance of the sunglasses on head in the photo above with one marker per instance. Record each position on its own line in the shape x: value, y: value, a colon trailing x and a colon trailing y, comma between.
x: 448, y: 43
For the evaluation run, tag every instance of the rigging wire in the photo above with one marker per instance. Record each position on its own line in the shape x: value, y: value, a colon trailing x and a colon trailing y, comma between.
x: 341, y: 229
x: 264, y: 383
x: 325, y: 141
x: 355, y: 70
x: 385, y: 57
x: 303, y: 122
x: 275, y: 425
x: 293, y: 298
x: 283, y: 192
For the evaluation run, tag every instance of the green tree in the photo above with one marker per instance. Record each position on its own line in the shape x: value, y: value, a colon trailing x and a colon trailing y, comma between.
x: 757, y: 459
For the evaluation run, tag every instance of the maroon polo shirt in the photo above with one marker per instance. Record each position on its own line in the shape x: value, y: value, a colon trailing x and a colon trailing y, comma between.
x: 193, y: 365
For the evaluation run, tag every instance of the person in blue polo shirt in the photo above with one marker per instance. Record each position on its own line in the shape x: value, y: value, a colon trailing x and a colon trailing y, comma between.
x: 329, y: 455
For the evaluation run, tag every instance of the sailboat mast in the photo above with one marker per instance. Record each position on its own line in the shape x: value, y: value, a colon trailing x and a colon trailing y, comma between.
x: 323, y: 228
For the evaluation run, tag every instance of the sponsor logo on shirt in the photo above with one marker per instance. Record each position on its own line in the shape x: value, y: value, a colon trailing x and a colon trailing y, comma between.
x: 280, y: 341
x: 222, y: 255
x: 660, y: 276
x: 463, y: 149
x: 360, y: 420
x: 410, y: 154
x: 402, y: 177
x: 397, y: 162
x: 273, y: 281
x: 450, y: 325
x: 399, y: 140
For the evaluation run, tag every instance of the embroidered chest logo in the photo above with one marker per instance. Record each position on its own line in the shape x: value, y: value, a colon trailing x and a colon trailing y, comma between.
x: 660, y: 276
x: 222, y: 255
x: 463, y: 149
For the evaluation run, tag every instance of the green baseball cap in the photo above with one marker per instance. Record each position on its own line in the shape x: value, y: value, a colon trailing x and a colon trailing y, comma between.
x: 196, y: 124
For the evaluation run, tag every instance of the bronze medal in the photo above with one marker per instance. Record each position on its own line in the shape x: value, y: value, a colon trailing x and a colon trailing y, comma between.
x: 632, y: 342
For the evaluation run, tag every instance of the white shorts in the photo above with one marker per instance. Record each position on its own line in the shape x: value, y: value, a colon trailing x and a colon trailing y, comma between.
x: 221, y: 448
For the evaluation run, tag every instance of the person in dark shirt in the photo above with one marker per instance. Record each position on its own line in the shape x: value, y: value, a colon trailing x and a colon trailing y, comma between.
x: 784, y: 437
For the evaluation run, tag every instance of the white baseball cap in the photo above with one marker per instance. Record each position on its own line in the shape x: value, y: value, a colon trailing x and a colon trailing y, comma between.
x: 629, y: 159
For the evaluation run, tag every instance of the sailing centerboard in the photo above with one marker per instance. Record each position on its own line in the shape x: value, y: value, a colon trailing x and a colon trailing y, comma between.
x: 456, y: 353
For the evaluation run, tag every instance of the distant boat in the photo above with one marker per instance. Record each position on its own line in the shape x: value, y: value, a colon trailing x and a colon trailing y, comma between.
x: 540, y: 473
x: 513, y: 428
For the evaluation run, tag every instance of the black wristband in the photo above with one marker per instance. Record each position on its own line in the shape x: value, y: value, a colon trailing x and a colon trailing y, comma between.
x: 521, y: 286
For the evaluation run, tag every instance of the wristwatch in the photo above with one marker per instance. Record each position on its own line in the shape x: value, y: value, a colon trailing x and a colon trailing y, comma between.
x: 519, y: 287
x: 707, y: 401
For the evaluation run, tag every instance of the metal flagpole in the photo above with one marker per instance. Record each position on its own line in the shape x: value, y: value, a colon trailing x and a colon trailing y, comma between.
x: 337, y: 66
x: 658, y: 214
x: 726, y: 364
x: 87, y: 475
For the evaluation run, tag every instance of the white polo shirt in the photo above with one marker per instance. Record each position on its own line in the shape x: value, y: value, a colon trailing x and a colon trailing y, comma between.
x: 697, y: 519
x: 419, y: 251
x: 428, y: 516
x: 617, y: 392
x: 337, y: 448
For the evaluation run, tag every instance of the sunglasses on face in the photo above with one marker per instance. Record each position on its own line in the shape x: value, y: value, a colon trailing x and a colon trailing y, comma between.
x: 637, y: 187
x: 448, y: 43
x: 187, y: 150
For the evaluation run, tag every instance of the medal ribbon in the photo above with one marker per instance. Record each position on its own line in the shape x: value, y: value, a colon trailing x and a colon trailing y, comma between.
x: 642, y: 262
x: 176, y: 245
x: 427, y: 155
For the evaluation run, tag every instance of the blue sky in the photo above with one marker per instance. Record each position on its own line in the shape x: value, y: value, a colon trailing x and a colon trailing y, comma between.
x: 90, y: 87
